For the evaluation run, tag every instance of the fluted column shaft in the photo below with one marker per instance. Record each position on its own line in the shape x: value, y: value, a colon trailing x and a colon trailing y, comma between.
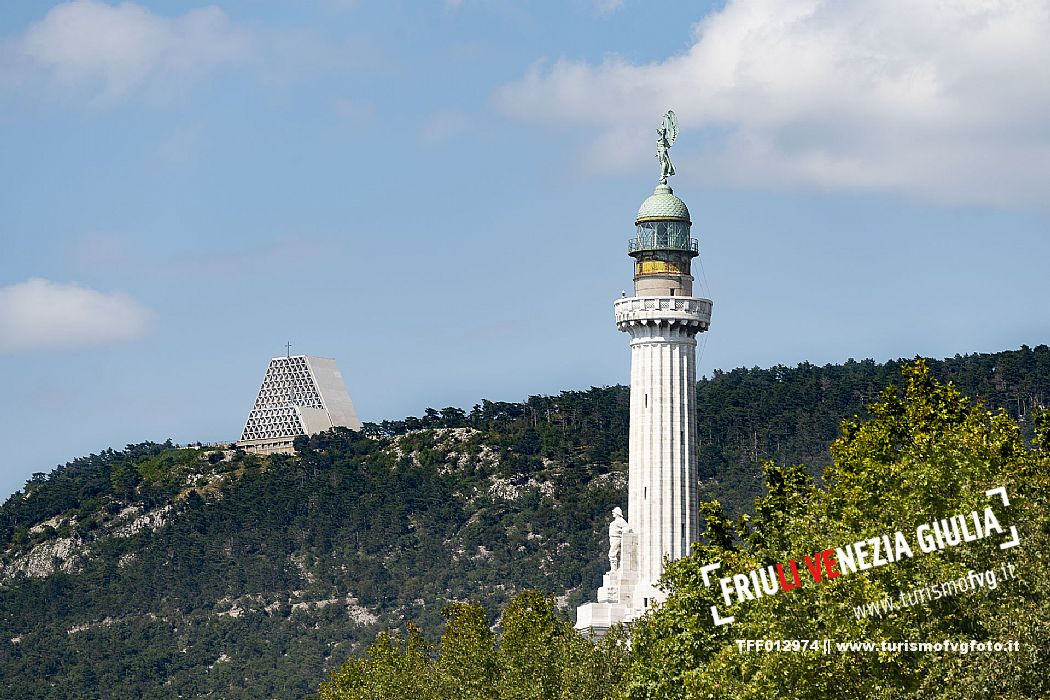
x: 662, y: 505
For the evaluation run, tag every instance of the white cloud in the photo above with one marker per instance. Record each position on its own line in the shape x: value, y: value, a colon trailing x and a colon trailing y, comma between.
x: 945, y: 101
x: 38, y: 314
x: 110, y: 51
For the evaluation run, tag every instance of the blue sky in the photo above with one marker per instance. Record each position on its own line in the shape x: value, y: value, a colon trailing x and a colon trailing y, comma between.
x: 439, y: 195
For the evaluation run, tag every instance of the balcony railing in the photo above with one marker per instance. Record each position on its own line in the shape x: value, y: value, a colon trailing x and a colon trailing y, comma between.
x: 658, y: 242
x: 655, y: 308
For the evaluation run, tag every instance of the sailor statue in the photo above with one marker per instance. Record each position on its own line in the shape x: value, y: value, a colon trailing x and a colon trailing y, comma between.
x: 616, y: 529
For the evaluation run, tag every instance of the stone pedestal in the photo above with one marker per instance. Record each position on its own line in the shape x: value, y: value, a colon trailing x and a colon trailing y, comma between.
x: 616, y: 599
x: 599, y: 618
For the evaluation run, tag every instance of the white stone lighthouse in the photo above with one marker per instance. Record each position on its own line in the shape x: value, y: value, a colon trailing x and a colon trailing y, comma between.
x: 663, y: 319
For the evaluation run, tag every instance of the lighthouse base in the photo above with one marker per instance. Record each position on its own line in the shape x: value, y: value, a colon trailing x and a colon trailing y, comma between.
x: 618, y: 601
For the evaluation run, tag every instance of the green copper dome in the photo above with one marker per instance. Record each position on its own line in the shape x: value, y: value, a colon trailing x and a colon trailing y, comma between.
x: 662, y: 205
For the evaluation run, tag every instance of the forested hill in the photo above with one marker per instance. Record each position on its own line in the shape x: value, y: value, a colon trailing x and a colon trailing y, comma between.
x: 157, y: 571
x: 746, y: 416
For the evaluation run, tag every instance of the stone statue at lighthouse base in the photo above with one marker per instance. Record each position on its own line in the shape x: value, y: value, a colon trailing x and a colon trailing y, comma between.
x: 616, y: 597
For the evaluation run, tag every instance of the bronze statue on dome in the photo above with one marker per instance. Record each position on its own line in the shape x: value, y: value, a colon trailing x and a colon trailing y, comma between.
x: 665, y: 137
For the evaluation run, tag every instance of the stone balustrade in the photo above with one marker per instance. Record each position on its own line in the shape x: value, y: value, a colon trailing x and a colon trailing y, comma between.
x: 687, y: 310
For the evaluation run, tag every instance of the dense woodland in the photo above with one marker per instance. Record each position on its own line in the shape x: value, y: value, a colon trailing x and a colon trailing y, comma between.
x: 787, y: 414
x: 156, y: 571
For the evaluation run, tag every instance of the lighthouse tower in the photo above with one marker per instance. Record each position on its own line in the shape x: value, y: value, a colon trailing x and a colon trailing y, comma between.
x: 663, y: 319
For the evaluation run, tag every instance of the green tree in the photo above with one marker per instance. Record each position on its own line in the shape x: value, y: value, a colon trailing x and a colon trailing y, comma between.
x: 530, y: 646
x: 593, y: 669
x: 467, y: 667
x: 537, y: 656
x: 394, y: 669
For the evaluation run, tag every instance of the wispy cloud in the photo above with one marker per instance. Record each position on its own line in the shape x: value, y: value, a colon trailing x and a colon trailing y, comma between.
x: 607, y: 6
x: 110, y: 51
x: 179, y: 146
x: 443, y: 126
x: 128, y: 259
x: 941, y: 101
x: 105, y: 54
x: 353, y: 111
x: 38, y: 314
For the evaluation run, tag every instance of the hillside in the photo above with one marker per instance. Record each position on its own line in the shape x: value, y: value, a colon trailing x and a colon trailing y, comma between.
x: 157, y: 571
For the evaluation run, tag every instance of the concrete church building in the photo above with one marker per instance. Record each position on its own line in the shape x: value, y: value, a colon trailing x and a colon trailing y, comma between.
x: 300, y: 395
x: 663, y: 319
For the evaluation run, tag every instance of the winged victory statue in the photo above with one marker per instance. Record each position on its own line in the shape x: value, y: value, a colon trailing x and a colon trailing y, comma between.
x: 665, y: 137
